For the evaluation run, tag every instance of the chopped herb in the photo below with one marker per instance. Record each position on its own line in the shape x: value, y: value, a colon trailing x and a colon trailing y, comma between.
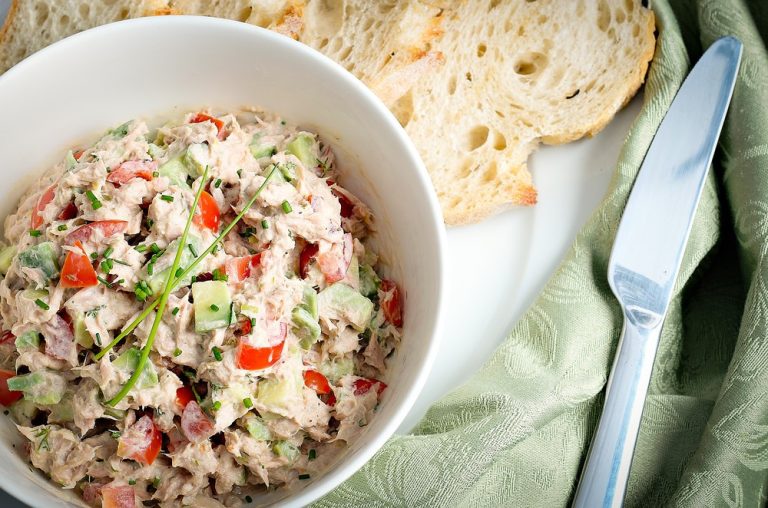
x: 264, y: 224
x: 98, y: 338
x: 214, y: 307
x: 248, y: 499
x: 216, y: 405
x: 286, y: 206
x: 108, y: 252
x: 150, y: 223
x: 312, y: 454
x: 179, y: 271
x: 104, y: 281
x: 166, y: 197
x: 217, y: 183
x: 253, y: 322
x: 304, y: 477
x: 239, y: 173
x: 35, y: 232
x: 217, y: 353
x: 115, y: 434
x: 106, y: 265
x: 156, y: 481
x: 120, y: 262
x: 323, y: 165
x: 95, y: 203
x: 155, y: 174
x: 217, y: 275
x: 141, y: 248
x: 151, y: 268
x: 177, y: 351
x: 42, y: 304
x: 175, y: 311
x: 120, y: 282
x: 194, y: 279
x: 94, y: 255
x: 247, y: 402
x: 131, y: 482
x: 282, y: 122
x: 154, y: 248
x: 43, y: 435
x: 62, y: 227
x: 192, y: 249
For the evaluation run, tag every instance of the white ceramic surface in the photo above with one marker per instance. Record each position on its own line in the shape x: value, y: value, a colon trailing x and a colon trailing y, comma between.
x: 75, y: 89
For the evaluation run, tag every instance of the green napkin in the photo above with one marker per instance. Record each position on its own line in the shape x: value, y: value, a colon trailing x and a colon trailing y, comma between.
x: 517, y: 433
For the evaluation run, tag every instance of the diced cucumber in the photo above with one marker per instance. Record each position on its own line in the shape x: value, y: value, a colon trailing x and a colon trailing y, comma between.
x: 337, y: 368
x: 305, y: 327
x: 23, y: 411
x: 40, y: 387
x: 193, y: 158
x: 176, y: 171
x: 82, y: 336
x: 287, y: 450
x: 309, y: 302
x: 256, y: 427
x: 277, y: 175
x: 42, y: 257
x: 352, y: 277
x: 155, y: 151
x: 262, y: 150
x: 339, y: 301
x: 369, y: 281
x: 288, y: 170
x: 6, y: 258
x: 301, y: 147
x: 129, y: 360
x: 280, y: 393
x: 213, y: 305
x: 250, y: 311
x: 70, y: 161
x: 28, y: 340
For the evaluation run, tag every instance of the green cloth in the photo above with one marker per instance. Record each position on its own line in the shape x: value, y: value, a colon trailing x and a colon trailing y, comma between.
x: 516, y: 434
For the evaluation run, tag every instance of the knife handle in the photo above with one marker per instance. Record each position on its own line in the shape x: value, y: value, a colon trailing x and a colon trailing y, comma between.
x: 604, y: 477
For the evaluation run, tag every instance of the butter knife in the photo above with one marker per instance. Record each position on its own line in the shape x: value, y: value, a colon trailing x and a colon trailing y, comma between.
x: 646, y: 258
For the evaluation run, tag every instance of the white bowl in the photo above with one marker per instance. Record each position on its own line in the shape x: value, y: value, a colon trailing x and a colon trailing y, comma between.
x: 70, y: 92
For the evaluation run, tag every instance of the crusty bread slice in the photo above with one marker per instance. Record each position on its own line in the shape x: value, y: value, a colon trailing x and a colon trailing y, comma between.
x: 478, y: 84
x: 33, y: 24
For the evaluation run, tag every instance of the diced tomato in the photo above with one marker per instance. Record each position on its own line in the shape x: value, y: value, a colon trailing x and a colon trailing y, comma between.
x: 7, y: 337
x: 307, y: 253
x: 195, y: 425
x: 256, y: 358
x: 77, y: 154
x: 69, y: 211
x: 330, y: 399
x: 335, y: 261
x: 7, y: 397
x: 104, y: 227
x: 141, y: 441
x: 313, y: 379
x: 129, y: 170
x: 117, y: 496
x: 184, y: 396
x: 363, y: 386
x: 47, y: 197
x: 202, y: 117
x: 78, y: 271
x: 391, y: 302
x: 239, y: 269
x: 244, y: 327
x: 59, y: 339
x: 207, y: 213
x: 347, y: 207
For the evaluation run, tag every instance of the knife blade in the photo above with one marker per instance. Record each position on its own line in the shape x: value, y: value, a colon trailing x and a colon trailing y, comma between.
x: 646, y: 258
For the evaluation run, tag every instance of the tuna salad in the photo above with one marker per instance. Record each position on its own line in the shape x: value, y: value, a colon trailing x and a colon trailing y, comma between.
x: 192, y: 313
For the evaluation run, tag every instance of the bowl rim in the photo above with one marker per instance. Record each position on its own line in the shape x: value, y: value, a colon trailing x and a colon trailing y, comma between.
x: 346, y: 466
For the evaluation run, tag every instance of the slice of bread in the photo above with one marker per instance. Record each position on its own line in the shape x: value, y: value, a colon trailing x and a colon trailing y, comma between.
x: 478, y: 84
x: 33, y: 24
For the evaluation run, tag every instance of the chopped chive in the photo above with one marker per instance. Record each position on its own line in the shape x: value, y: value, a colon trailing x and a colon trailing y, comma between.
x: 304, y: 477
x: 247, y: 402
x: 156, y: 481
x: 94, y: 255
x: 217, y: 183
x: 106, y: 265
x: 62, y: 227
x: 286, y: 206
x: 141, y: 248
x: 115, y: 434
x: 151, y: 269
x: 104, y: 281
x: 253, y: 322
x: 175, y: 311
x: 214, y: 307
x: 217, y: 353
x: 98, y: 339
x: 239, y: 173
x: 95, y: 203
x: 216, y: 405
x: 177, y: 351
x: 108, y: 252
x: 179, y: 271
x: 282, y: 122
x: 154, y: 248
x: 312, y: 454
x: 264, y: 224
x: 194, y: 279
x: 42, y: 304
x: 217, y: 275
x: 131, y: 482
x: 155, y: 174
x: 192, y: 249
x: 166, y: 197
x: 120, y: 262
x: 35, y: 232
x: 120, y: 282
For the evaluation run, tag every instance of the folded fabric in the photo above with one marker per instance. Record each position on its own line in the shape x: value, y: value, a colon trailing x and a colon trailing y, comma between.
x: 517, y: 433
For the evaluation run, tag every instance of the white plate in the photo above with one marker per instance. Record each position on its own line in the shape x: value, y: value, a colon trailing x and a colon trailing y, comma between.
x: 497, y: 268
